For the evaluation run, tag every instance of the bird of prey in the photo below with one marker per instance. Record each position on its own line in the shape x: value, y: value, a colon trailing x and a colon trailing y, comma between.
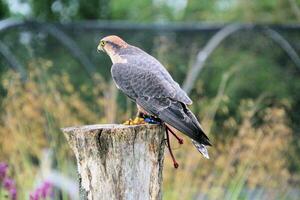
x: 146, y: 81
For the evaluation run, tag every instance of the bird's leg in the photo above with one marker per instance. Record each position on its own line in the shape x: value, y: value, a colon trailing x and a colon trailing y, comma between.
x: 170, y: 150
x: 180, y: 140
x: 152, y: 119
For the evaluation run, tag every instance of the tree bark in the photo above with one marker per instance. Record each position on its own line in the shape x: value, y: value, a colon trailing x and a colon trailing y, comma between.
x: 118, y: 162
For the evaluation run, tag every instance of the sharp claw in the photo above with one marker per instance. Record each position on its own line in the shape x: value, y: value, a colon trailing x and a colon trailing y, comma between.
x: 128, y: 122
x: 136, y: 121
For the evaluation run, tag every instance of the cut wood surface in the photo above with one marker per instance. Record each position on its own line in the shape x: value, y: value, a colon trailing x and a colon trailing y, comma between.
x: 118, y: 162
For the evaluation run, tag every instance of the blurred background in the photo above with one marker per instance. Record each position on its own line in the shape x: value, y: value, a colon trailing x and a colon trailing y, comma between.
x: 238, y: 60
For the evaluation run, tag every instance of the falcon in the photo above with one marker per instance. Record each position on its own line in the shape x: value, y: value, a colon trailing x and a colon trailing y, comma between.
x: 158, y: 97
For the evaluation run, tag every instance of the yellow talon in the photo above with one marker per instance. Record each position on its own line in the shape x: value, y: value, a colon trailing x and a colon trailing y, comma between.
x: 136, y: 121
x: 128, y: 122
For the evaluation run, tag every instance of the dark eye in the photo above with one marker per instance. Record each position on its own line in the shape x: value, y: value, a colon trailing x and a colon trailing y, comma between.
x: 102, y: 43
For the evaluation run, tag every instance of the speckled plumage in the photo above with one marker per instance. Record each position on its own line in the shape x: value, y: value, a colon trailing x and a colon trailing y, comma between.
x: 144, y: 79
x: 147, y: 76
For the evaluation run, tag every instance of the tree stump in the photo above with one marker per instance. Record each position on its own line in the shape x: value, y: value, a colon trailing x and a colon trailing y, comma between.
x: 118, y: 162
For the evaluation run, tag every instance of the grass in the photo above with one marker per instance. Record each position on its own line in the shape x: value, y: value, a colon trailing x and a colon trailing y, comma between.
x: 248, y: 154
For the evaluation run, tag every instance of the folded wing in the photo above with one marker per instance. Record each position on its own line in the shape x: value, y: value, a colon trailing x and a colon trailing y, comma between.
x: 159, y: 97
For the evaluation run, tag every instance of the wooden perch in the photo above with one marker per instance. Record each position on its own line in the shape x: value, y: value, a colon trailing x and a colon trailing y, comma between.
x: 117, y: 161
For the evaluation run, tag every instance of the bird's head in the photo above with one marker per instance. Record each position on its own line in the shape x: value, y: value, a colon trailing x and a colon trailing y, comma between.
x: 111, y: 44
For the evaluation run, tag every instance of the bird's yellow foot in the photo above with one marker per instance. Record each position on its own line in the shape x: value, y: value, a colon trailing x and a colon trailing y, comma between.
x: 136, y: 121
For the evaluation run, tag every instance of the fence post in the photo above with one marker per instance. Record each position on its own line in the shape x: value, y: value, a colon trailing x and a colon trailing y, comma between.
x: 118, y: 162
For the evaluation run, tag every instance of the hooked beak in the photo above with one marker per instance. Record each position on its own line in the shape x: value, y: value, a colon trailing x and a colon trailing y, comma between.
x: 99, y: 48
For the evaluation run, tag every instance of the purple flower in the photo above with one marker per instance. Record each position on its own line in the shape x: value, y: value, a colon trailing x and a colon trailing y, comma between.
x: 42, y: 192
x: 3, y: 170
x: 13, y: 193
x: 10, y: 186
x: 34, y: 196
x: 8, y: 183
x: 46, y: 189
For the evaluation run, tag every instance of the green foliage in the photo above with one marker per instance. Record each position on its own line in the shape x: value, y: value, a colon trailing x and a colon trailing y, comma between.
x: 134, y: 10
x: 4, y: 12
x: 263, y: 11
x: 43, y: 10
x: 95, y: 9
x: 266, y: 11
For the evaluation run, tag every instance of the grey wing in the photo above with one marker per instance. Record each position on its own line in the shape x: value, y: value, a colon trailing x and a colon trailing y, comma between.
x: 135, y: 82
x: 156, y: 67
x: 158, y: 97
x: 180, y: 94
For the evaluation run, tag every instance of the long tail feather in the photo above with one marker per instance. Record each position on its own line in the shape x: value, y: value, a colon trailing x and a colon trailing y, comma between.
x: 184, y: 121
x: 201, y: 148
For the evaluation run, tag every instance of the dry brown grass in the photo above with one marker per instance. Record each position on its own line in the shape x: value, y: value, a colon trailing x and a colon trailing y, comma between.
x: 254, y: 157
x: 34, y: 111
x: 245, y: 155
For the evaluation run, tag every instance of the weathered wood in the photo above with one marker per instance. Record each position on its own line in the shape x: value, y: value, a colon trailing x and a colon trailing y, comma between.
x: 117, y: 161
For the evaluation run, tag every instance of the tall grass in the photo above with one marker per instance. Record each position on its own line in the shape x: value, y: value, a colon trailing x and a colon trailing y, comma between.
x: 34, y: 112
x: 248, y: 154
